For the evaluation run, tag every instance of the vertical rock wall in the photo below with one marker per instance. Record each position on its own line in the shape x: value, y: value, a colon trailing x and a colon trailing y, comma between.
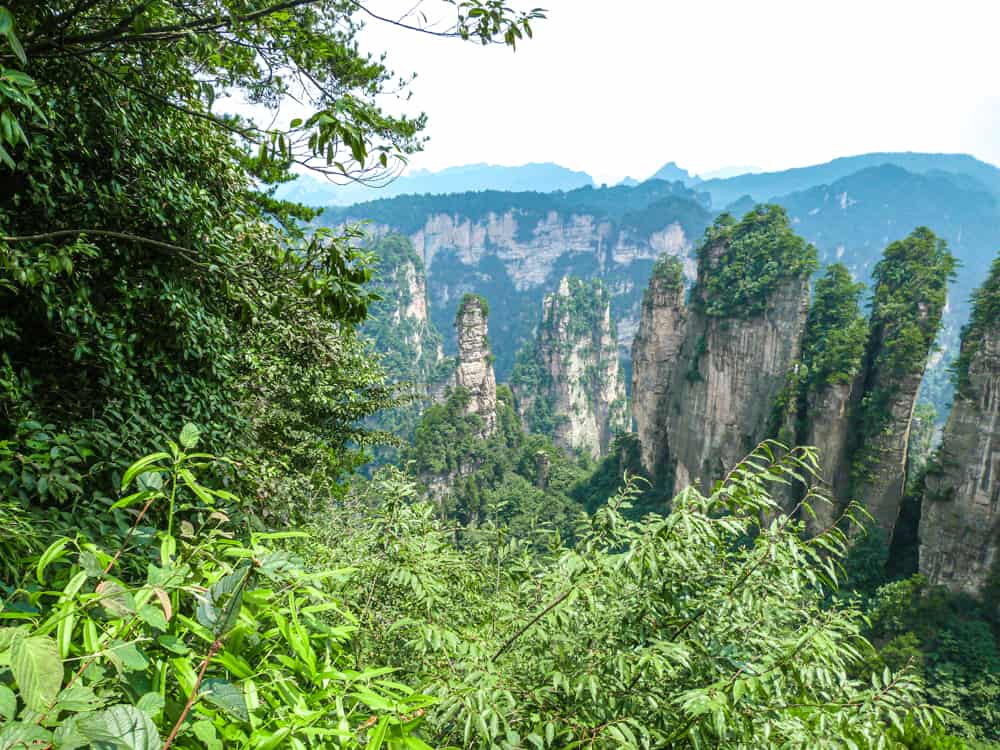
x: 475, y: 362
x: 960, y: 514
x: 725, y: 383
x: 570, y: 383
x: 655, y: 350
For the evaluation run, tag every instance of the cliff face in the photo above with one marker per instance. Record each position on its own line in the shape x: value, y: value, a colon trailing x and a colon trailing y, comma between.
x: 399, y: 323
x: 707, y: 379
x: 569, y: 383
x: 960, y: 517
x: 726, y: 381
x: 514, y: 248
x: 475, y: 362
x: 655, y: 349
x: 828, y: 430
x: 909, y: 297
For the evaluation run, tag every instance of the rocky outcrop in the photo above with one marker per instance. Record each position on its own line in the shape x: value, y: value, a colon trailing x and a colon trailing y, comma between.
x: 910, y: 291
x: 711, y: 375
x: 827, y: 429
x: 399, y: 323
x: 823, y: 394
x: 960, y: 516
x: 475, y: 362
x: 655, y: 350
x: 726, y: 381
x: 569, y: 383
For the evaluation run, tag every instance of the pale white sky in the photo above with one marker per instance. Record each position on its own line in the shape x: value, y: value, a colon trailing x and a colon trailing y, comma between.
x: 619, y: 87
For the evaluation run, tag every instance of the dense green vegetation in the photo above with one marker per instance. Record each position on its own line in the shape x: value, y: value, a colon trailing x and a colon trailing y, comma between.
x: 910, y: 287
x: 836, y: 330
x: 740, y: 263
x: 668, y: 271
x: 707, y: 627
x: 185, y: 380
x: 984, y: 318
x: 518, y: 481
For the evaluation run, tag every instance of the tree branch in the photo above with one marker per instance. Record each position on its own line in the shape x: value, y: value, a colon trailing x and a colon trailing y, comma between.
x: 510, y: 641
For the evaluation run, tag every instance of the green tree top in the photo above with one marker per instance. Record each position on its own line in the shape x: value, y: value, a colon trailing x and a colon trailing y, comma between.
x: 985, y: 314
x: 740, y: 264
x: 910, y: 291
x: 836, y: 330
x: 669, y: 270
x: 469, y: 299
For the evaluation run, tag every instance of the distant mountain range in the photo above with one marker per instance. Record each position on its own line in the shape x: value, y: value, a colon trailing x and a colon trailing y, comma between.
x: 514, y: 246
x: 543, y: 178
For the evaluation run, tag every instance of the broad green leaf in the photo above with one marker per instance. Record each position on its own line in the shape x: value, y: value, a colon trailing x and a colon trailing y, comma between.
x: 78, y: 698
x: 142, y: 465
x: 189, y: 436
x: 8, y: 703
x: 205, y: 732
x: 24, y: 736
x: 38, y: 671
x: 130, y: 727
x: 219, y: 608
x: 151, y: 704
x: 55, y: 551
x: 226, y: 696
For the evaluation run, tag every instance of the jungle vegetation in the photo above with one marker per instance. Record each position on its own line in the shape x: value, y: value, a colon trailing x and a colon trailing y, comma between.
x: 188, y: 556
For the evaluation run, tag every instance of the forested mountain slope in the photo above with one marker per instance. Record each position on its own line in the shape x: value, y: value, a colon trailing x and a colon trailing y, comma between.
x: 513, y: 248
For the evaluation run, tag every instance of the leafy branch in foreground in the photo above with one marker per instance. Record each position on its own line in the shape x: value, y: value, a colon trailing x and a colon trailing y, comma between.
x: 710, y: 627
x: 188, y: 636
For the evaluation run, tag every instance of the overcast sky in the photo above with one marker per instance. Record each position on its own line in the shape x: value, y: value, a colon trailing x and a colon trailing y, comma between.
x: 618, y: 87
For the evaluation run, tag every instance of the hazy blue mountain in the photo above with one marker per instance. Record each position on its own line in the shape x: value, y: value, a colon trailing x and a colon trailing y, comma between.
x: 854, y: 218
x: 673, y: 173
x: 770, y: 184
x: 544, y: 178
x: 515, y: 247
x: 724, y: 173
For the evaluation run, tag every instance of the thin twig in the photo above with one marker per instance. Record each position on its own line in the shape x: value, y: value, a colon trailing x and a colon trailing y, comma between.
x: 510, y: 641
x: 216, y: 645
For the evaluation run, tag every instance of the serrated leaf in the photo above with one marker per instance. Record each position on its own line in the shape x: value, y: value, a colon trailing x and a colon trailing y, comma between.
x: 38, y: 671
x: 189, y: 436
x: 8, y: 703
x: 24, y: 736
x: 78, y: 698
x: 226, y: 696
x: 130, y: 728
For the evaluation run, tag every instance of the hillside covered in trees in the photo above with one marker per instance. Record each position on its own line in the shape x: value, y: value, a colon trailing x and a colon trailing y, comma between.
x: 260, y: 486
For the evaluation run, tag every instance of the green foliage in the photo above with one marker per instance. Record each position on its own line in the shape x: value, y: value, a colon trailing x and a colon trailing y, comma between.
x: 704, y: 628
x: 923, y: 430
x: 985, y: 314
x: 469, y: 300
x: 740, y: 264
x: 910, y: 291
x: 948, y: 638
x: 668, y: 271
x: 836, y: 331
x: 520, y: 481
x: 193, y: 633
